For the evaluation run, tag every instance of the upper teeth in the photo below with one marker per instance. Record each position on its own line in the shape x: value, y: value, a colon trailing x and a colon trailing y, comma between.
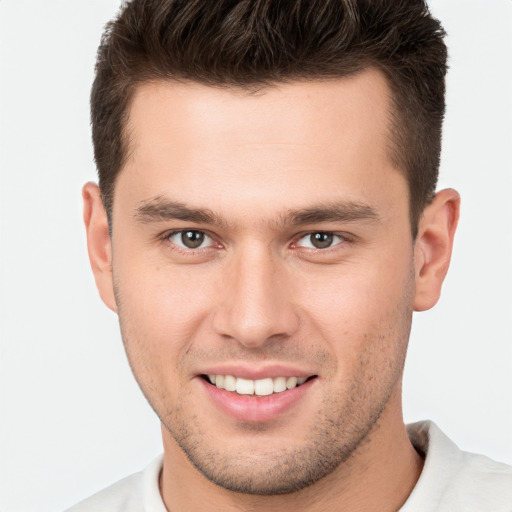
x: 260, y: 387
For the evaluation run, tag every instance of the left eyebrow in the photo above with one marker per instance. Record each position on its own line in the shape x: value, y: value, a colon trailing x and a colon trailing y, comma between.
x: 346, y: 211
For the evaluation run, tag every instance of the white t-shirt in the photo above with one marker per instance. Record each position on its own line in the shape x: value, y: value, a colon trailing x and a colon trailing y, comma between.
x: 451, y: 481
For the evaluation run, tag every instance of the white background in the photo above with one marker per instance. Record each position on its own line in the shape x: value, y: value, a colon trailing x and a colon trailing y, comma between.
x: 72, y: 419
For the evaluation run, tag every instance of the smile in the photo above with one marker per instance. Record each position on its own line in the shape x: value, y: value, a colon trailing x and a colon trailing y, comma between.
x: 259, y: 387
x: 258, y: 400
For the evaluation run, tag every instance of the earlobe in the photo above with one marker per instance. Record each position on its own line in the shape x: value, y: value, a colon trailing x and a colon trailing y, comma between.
x: 433, y: 247
x: 99, y: 243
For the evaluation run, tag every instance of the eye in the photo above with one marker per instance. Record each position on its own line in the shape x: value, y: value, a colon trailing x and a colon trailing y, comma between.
x: 190, y: 239
x: 320, y: 240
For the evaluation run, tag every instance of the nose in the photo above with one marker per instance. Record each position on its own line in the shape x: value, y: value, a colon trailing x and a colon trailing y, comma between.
x: 255, y: 306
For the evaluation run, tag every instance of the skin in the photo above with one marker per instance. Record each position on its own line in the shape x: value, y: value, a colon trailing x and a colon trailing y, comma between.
x: 257, y: 293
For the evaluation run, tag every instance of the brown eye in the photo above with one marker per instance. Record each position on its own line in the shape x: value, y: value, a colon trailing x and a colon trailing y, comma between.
x: 321, y: 240
x: 192, y: 239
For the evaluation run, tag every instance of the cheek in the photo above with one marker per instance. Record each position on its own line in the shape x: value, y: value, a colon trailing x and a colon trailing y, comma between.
x: 363, y: 306
x: 168, y: 303
x: 159, y: 319
x: 161, y: 314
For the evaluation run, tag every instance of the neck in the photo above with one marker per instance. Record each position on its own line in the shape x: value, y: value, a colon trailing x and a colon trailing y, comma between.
x: 379, y: 476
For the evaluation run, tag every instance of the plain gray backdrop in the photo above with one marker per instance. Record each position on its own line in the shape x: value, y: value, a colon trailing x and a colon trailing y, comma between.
x: 72, y: 419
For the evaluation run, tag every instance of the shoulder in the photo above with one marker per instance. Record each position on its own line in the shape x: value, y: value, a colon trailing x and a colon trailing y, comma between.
x: 486, y: 484
x: 456, y: 480
x: 138, y: 492
x: 124, y: 495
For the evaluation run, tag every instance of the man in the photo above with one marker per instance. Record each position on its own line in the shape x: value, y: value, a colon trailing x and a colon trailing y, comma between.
x: 265, y: 224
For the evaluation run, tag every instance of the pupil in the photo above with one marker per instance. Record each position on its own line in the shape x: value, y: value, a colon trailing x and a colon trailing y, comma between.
x: 192, y: 239
x: 322, y: 240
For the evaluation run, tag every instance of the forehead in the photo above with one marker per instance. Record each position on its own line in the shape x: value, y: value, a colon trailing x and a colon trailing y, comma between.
x: 316, y: 140
x: 287, y: 113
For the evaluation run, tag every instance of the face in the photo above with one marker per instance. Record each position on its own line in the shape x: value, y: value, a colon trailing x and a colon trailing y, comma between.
x: 264, y: 274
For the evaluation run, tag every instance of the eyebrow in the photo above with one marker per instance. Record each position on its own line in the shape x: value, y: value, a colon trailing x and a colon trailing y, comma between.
x: 163, y: 209
x: 345, y: 211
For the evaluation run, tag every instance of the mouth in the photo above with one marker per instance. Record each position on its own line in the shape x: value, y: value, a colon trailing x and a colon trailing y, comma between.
x: 259, y: 387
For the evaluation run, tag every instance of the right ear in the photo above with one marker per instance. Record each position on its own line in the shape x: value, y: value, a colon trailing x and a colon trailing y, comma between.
x: 99, y: 243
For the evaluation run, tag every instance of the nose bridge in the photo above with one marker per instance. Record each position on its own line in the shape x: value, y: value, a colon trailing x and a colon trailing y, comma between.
x: 255, y: 305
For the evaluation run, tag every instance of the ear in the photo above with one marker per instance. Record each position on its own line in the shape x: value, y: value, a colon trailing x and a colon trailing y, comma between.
x: 98, y: 243
x: 433, y: 247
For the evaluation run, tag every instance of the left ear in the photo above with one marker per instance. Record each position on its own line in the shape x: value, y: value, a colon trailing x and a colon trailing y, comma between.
x: 433, y: 247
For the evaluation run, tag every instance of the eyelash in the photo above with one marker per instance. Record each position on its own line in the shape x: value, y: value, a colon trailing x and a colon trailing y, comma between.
x: 166, y: 237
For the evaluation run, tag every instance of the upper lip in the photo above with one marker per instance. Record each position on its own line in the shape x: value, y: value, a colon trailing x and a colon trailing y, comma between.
x: 255, y: 372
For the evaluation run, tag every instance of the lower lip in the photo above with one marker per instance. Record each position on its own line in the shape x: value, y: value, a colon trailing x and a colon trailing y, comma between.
x: 256, y: 409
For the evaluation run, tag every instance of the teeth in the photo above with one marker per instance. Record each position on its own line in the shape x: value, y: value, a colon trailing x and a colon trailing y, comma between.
x: 291, y: 382
x: 263, y: 387
x: 229, y: 383
x: 244, y: 386
x: 279, y: 384
x: 260, y: 387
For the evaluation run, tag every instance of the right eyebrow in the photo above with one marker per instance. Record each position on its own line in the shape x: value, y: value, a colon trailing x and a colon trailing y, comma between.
x: 160, y: 209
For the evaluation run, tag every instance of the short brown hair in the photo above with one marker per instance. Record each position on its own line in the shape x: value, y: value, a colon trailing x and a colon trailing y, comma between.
x: 253, y: 43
